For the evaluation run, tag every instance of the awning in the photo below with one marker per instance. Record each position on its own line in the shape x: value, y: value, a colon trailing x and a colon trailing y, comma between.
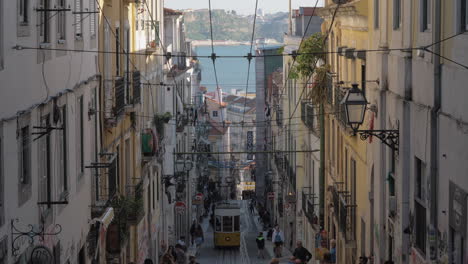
x: 107, y: 217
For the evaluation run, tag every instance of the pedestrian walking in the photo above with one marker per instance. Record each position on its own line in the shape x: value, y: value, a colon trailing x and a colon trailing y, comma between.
x: 167, y: 258
x: 274, y: 261
x: 171, y: 250
x: 278, y: 240
x: 194, y: 226
x: 251, y: 207
x: 193, y: 260
x: 260, y: 245
x: 182, y: 243
x: 199, y: 237
x: 180, y: 253
x: 302, y: 253
x: 333, y: 251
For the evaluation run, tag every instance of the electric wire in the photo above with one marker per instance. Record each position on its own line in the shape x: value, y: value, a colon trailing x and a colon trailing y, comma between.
x: 315, y: 66
x: 249, y: 59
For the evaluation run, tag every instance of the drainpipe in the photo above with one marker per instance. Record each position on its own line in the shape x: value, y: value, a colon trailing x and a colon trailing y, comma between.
x: 434, y: 119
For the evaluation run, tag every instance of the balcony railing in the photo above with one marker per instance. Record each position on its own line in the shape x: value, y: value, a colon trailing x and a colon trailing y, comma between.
x: 308, y: 115
x: 136, y: 87
x: 308, y: 206
x: 119, y: 95
x: 134, y: 203
x: 345, y: 213
x: 338, y: 107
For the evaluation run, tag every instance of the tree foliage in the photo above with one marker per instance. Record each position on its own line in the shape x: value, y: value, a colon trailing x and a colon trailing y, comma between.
x: 311, y: 52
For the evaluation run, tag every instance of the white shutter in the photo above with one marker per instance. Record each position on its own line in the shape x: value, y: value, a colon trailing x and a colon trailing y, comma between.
x: 92, y: 18
x: 78, y: 22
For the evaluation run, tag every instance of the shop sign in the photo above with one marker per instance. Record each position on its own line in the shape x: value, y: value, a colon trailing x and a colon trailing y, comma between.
x: 198, y: 199
x: 180, y: 207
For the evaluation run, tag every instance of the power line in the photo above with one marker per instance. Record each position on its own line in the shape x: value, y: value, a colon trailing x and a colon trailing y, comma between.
x: 315, y: 66
x: 250, y: 58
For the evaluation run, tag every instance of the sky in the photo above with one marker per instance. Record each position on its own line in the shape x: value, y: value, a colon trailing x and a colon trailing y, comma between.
x: 241, y: 6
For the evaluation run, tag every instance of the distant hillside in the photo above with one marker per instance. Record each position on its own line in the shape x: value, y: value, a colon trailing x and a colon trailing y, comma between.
x: 227, y: 25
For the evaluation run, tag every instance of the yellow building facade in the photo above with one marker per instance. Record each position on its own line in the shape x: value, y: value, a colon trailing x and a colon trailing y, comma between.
x: 347, y: 216
x: 129, y: 37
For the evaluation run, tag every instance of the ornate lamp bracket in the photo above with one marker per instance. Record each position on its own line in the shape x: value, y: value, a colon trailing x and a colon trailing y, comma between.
x: 388, y: 137
x: 30, y: 234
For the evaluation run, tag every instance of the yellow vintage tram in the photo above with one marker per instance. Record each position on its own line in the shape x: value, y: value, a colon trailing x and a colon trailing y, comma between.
x: 227, y: 224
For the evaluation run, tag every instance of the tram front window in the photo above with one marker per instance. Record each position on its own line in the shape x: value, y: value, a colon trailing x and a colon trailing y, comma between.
x: 218, y: 224
x: 227, y: 223
x: 236, y: 223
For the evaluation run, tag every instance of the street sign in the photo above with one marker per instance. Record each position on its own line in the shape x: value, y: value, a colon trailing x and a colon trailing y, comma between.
x: 180, y: 207
x: 198, y: 199
x: 271, y: 196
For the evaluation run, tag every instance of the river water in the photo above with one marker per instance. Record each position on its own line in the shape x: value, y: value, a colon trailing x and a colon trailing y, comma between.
x: 232, y: 72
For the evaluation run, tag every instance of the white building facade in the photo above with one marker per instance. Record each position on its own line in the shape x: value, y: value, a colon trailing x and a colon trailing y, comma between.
x: 48, y: 129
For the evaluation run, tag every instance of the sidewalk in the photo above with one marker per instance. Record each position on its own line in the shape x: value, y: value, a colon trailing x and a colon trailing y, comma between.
x: 269, y: 244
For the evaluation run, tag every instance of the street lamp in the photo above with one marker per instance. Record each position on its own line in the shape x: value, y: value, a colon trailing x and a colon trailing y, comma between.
x: 355, y: 108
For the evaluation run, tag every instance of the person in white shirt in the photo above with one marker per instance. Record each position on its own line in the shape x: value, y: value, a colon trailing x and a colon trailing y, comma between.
x: 278, y: 239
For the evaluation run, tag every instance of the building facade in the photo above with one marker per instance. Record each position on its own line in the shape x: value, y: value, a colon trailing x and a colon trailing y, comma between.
x: 49, y: 130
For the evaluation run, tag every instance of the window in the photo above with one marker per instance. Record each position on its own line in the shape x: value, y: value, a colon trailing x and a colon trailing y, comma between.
x: 126, y: 47
x: 78, y: 19
x: 112, y: 178
x: 376, y: 13
x: 463, y: 15
x: 25, y: 157
x: 45, y: 170
x: 396, y: 14
x: 128, y: 164
x: 80, y: 136
x: 23, y: 12
x: 227, y: 224
x: 236, y: 223
x: 56, y: 252
x: 419, y: 206
x: 215, y: 113
x: 61, y: 21
x: 218, y: 223
x: 62, y: 146
x: 2, y: 182
x: 1, y: 36
x: 117, y: 51
x: 82, y: 256
x: 425, y: 15
x: 44, y: 22
x: 92, y: 18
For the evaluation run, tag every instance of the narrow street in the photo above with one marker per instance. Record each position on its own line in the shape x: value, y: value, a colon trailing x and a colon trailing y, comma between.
x: 249, y: 229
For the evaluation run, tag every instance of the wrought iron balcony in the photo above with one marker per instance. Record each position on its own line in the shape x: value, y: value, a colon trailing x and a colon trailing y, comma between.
x: 119, y: 95
x: 345, y: 213
x: 308, y: 205
x: 136, y: 87
x: 134, y: 203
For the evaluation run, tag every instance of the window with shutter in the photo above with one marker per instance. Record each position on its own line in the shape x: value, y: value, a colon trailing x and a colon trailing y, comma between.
x: 61, y: 21
x: 23, y: 14
x: 44, y: 22
x: 92, y: 18
x: 463, y: 15
x: 78, y: 19
x: 396, y: 14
